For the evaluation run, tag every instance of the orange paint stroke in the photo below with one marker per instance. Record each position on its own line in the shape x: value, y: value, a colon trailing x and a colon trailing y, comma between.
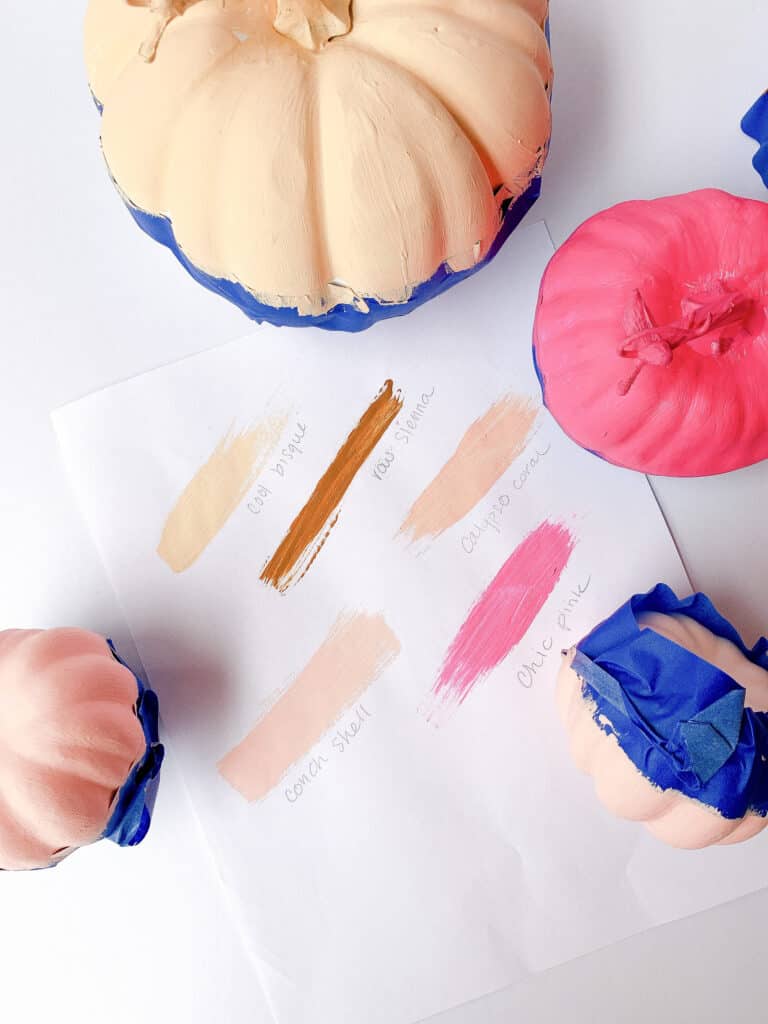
x: 484, y: 454
x: 311, y: 527
x: 355, y: 653
x: 215, y: 491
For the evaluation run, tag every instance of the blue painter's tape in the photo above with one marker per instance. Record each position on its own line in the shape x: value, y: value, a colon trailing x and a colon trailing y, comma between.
x: 132, y: 813
x: 344, y: 317
x: 681, y: 720
x: 755, y: 125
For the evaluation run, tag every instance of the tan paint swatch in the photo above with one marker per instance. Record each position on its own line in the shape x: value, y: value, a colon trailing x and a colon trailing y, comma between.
x: 309, y: 530
x: 355, y: 653
x: 215, y: 491
x: 483, y: 455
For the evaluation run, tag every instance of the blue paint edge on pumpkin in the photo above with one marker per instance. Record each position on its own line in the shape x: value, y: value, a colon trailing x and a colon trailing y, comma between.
x: 540, y: 378
x: 755, y: 125
x: 344, y: 317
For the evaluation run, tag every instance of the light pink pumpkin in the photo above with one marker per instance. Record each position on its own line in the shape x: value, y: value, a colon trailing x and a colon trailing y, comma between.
x: 670, y: 816
x: 69, y: 737
x: 651, y: 335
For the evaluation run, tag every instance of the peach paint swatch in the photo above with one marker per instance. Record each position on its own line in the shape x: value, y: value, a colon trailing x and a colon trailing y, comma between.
x: 311, y: 527
x: 502, y: 615
x: 483, y: 455
x: 215, y: 491
x: 355, y: 653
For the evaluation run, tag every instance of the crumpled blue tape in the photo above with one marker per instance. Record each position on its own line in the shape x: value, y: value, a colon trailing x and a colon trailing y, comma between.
x: 755, y: 125
x: 681, y: 720
x: 132, y: 813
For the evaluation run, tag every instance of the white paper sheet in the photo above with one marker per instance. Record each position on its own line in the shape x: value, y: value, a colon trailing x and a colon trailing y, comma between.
x: 423, y: 866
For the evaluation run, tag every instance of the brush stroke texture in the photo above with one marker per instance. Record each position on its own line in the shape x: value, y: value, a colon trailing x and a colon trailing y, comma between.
x: 215, y: 491
x: 502, y: 615
x: 311, y: 527
x: 355, y: 653
x: 484, y: 454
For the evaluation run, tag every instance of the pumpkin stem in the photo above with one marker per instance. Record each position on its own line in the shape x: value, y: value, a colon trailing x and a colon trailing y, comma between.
x: 719, y: 312
x: 313, y: 23
x: 164, y: 12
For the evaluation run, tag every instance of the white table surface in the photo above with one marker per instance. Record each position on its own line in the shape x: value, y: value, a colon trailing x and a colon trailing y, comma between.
x: 648, y: 99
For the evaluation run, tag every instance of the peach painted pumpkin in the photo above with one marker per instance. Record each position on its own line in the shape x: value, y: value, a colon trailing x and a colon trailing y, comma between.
x: 326, y: 163
x: 667, y: 713
x: 78, y: 746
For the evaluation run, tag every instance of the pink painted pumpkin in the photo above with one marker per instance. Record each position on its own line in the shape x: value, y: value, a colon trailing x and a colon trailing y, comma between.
x: 651, y: 334
x: 69, y: 737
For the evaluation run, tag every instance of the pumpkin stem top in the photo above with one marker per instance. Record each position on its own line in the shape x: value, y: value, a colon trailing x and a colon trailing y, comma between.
x: 721, y: 313
x: 163, y: 12
x: 313, y: 23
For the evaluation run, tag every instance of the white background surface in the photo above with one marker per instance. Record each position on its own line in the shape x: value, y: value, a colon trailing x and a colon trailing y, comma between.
x: 648, y: 100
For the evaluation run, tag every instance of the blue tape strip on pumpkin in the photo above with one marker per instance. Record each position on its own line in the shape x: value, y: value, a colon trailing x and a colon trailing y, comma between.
x: 755, y: 125
x: 680, y: 720
x: 132, y: 814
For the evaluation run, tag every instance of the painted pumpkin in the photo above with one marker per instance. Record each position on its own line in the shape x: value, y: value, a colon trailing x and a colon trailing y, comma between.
x: 78, y: 746
x: 755, y: 125
x: 651, y: 333
x: 665, y: 707
x: 328, y: 163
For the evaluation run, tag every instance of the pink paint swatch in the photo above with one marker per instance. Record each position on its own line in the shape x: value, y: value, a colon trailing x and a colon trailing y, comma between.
x: 354, y: 654
x: 502, y: 615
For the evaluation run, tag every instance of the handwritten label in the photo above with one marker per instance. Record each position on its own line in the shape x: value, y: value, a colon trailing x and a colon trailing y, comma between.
x: 292, y: 451
x: 470, y: 540
x: 530, y: 467
x: 405, y: 431
x: 570, y: 606
x: 527, y: 674
x: 540, y: 655
x: 336, y: 746
x: 312, y: 771
x: 383, y: 464
x: 259, y: 500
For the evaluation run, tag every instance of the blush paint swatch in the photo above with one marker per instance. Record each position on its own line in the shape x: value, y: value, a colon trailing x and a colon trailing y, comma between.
x: 484, y: 454
x: 311, y: 527
x: 215, y: 491
x: 357, y: 650
x: 502, y: 615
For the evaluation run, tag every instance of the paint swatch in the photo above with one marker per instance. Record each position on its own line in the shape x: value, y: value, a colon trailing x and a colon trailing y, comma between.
x: 502, y: 615
x: 484, y: 454
x: 355, y: 653
x: 215, y: 491
x: 309, y: 530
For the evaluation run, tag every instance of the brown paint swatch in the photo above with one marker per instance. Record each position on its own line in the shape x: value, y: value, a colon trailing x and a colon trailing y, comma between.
x: 309, y: 530
x: 484, y: 454
x: 355, y: 653
x: 215, y: 491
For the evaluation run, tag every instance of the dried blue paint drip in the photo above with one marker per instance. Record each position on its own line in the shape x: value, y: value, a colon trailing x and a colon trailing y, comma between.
x: 681, y: 720
x: 755, y: 125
